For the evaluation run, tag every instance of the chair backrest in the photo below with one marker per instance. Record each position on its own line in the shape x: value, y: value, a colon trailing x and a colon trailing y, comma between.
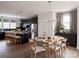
x: 65, y: 40
x: 46, y: 38
x: 42, y: 37
x: 49, y: 37
x: 33, y: 46
x: 39, y: 37
x: 36, y: 38
x: 52, y: 37
x: 54, y: 44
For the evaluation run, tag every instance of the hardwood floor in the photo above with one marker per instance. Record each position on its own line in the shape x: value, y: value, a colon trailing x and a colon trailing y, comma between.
x: 23, y: 51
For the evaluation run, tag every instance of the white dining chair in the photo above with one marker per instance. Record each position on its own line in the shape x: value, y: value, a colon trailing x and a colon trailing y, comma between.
x: 55, y: 48
x: 36, y: 49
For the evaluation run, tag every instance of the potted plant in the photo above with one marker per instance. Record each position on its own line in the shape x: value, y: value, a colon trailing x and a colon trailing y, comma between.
x: 61, y: 28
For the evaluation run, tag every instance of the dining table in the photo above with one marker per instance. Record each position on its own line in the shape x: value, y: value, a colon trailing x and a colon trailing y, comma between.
x: 48, y: 42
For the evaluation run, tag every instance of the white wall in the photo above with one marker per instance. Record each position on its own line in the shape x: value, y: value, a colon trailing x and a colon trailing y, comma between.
x: 45, y: 25
x: 78, y: 28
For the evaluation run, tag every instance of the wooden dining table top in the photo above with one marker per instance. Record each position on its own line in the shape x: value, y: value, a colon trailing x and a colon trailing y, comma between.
x: 48, y: 41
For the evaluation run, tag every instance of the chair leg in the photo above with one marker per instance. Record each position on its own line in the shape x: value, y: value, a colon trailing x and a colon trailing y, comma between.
x: 34, y: 55
x: 59, y: 52
x: 15, y: 41
x: 45, y: 54
x: 62, y: 51
x: 65, y: 49
x: 20, y: 40
x: 55, y: 54
x: 48, y: 53
x: 31, y: 54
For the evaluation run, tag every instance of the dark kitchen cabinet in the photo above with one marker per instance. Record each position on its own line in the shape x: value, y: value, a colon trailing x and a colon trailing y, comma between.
x: 2, y: 35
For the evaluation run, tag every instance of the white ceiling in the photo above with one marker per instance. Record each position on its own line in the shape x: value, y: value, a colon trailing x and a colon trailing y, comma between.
x: 31, y: 8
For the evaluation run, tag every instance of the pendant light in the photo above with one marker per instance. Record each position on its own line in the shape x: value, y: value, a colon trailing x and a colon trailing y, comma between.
x: 18, y: 18
x: 49, y: 10
x: 50, y: 20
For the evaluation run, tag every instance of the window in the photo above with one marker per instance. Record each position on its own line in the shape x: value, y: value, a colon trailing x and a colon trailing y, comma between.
x: 5, y: 24
x: 66, y: 21
x: 12, y: 24
x: 0, y: 23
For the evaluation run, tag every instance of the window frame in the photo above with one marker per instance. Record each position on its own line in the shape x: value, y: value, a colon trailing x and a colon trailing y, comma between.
x: 66, y: 29
x: 9, y: 21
